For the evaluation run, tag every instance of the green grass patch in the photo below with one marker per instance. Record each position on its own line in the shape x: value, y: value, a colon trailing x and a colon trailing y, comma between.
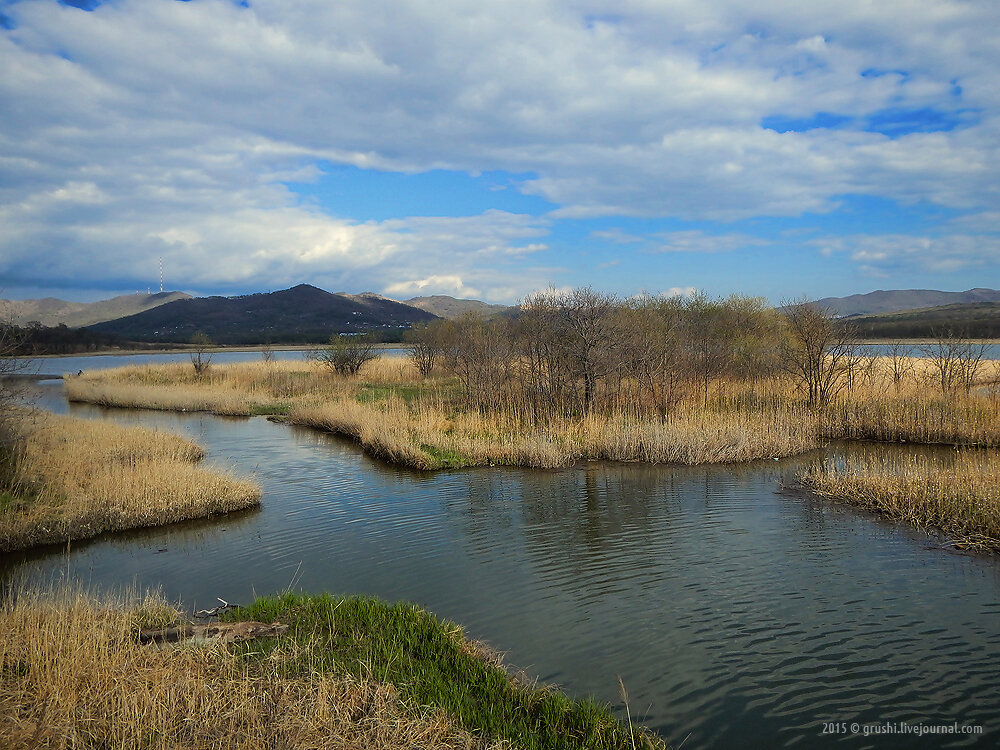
x: 446, y: 459
x: 431, y: 664
x: 10, y: 502
x: 370, y: 393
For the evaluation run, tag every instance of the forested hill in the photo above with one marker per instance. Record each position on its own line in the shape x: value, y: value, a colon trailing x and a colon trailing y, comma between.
x: 302, y: 314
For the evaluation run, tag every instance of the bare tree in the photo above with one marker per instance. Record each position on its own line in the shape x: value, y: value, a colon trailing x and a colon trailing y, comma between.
x: 480, y: 353
x: 426, y: 346
x: 652, y: 352
x: 585, y: 334
x: 267, y: 352
x: 815, y: 351
x: 900, y: 363
x: 347, y: 353
x: 955, y: 362
x: 201, y: 359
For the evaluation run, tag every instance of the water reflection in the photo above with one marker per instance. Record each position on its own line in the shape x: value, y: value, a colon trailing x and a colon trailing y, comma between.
x: 739, y: 614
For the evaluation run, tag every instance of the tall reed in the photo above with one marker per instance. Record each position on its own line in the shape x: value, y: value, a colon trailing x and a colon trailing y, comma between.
x: 960, y: 496
x: 81, y: 478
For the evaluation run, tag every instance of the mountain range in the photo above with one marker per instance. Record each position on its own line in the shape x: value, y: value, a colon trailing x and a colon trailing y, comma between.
x: 448, y: 307
x: 307, y: 314
x: 895, y: 300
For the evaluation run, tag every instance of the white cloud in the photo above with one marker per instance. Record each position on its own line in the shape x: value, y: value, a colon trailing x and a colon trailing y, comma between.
x: 892, y: 254
x: 153, y: 127
x: 680, y: 291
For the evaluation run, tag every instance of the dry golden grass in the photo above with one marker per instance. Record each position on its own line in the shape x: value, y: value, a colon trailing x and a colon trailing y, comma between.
x: 960, y: 497
x: 425, y: 437
x: 84, y: 478
x: 427, y: 425
x: 74, y: 676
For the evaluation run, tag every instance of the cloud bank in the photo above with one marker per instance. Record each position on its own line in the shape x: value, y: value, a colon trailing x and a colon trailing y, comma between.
x: 155, y: 128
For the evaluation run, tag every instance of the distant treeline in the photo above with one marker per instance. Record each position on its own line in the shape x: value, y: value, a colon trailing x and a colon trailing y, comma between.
x: 34, y: 338
x: 978, y: 321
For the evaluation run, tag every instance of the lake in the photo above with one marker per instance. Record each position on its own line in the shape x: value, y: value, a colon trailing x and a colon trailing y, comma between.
x: 737, y: 612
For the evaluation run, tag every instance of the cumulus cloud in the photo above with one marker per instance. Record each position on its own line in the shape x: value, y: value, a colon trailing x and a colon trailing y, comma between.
x: 153, y: 127
x: 680, y: 291
x: 889, y: 254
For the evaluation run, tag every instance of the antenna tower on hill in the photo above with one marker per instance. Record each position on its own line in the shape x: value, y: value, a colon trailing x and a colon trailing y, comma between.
x: 161, y: 274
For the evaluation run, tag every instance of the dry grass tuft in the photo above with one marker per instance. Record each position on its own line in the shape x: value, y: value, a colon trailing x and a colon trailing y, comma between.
x: 84, y: 478
x: 74, y: 675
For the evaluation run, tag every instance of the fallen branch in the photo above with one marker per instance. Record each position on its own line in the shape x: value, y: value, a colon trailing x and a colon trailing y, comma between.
x: 229, y: 632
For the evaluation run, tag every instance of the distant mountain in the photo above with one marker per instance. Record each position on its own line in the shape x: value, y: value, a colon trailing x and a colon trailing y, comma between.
x: 50, y: 311
x: 302, y: 314
x: 882, y: 301
x: 449, y: 307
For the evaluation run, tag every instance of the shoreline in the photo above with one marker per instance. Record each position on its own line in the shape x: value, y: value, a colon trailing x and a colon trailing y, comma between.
x: 330, y: 671
x: 180, y: 348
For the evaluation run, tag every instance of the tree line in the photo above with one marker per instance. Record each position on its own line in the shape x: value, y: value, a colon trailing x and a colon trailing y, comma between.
x: 572, y: 353
x: 576, y: 352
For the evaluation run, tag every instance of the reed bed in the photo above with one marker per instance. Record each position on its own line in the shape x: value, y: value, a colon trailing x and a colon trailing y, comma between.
x: 74, y: 675
x: 429, y: 424
x: 425, y: 437
x: 960, y: 497
x: 80, y: 478
x: 960, y: 419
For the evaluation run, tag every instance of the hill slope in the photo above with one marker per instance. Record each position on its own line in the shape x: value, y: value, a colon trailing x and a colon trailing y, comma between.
x: 449, y: 307
x: 50, y: 311
x: 893, y: 300
x: 302, y: 314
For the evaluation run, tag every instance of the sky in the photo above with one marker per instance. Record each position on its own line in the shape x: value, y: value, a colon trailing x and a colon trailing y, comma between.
x: 493, y: 148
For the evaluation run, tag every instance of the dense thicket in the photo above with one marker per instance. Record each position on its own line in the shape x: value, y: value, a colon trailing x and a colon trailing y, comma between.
x: 580, y: 351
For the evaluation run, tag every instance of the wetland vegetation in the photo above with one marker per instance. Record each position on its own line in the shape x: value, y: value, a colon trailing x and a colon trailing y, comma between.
x: 353, y: 672
x: 75, y: 479
x: 585, y: 376
x: 577, y: 376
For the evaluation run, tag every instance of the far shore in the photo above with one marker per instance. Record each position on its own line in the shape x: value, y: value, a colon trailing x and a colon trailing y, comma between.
x: 180, y: 348
x: 189, y: 348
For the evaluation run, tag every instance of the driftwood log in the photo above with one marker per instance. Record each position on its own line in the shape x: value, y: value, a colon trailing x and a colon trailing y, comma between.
x: 217, y: 632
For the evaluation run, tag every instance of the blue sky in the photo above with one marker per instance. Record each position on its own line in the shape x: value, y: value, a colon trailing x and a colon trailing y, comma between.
x: 490, y: 149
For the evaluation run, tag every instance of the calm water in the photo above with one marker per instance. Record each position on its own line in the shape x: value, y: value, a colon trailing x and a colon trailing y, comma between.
x: 738, y: 615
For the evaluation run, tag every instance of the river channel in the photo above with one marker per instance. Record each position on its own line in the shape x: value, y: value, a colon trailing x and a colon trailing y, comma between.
x: 738, y: 613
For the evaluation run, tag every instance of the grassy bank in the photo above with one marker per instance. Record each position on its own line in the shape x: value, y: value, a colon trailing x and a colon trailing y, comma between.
x: 349, y: 673
x: 960, y: 496
x: 78, y: 478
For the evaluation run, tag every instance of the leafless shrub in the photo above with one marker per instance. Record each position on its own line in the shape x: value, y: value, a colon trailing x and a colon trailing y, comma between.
x: 347, y: 353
